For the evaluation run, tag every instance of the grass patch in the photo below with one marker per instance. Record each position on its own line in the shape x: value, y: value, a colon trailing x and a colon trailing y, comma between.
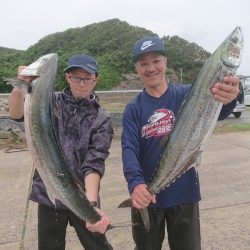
x: 228, y: 128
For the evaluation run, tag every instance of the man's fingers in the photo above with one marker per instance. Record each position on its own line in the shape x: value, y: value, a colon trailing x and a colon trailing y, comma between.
x: 142, y: 201
x: 231, y: 80
x: 221, y: 99
x: 100, y: 226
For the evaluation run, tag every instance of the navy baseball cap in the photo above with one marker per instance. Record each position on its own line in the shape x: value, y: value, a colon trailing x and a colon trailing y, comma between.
x: 82, y: 61
x: 148, y: 44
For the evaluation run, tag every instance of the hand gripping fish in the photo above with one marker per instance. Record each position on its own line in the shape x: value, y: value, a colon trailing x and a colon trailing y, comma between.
x: 197, y: 117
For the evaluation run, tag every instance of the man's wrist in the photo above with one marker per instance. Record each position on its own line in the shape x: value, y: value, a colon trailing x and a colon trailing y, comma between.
x: 95, y: 204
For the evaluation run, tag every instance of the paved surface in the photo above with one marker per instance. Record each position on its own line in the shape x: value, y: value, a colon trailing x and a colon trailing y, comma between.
x: 225, y: 208
x: 116, y: 119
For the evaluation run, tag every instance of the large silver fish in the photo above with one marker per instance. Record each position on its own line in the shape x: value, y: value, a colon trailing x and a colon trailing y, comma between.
x: 197, y: 118
x: 42, y: 142
x: 199, y: 114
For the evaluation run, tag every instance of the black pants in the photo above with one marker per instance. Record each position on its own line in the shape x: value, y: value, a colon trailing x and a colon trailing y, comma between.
x: 183, y: 227
x: 52, y: 226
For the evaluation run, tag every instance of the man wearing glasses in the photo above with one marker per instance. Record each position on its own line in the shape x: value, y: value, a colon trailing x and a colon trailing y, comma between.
x: 85, y: 134
x: 81, y: 75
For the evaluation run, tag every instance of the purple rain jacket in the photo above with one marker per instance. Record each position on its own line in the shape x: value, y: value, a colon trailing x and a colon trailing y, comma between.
x: 85, y: 134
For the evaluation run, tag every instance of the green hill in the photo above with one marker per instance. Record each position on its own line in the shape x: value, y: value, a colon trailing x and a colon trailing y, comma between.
x: 10, y: 59
x: 110, y: 42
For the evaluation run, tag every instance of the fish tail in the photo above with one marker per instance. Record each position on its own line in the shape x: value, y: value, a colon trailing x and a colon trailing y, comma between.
x: 145, y: 218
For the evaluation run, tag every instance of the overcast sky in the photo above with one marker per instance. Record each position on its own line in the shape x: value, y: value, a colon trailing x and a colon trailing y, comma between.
x: 207, y: 23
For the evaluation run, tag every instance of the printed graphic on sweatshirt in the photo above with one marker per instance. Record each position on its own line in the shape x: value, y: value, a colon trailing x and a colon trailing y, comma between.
x: 159, y: 124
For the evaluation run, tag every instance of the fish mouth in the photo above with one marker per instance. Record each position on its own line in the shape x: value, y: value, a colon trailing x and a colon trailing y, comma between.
x: 232, y: 58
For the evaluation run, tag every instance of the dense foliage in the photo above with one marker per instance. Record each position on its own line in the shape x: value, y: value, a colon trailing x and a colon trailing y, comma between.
x: 110, y: 42
x: 186, y: 59
x: 10, y: 59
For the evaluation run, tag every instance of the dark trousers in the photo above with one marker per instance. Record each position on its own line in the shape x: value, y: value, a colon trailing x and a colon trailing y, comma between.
x: 52, y: 226
x: 183, y: 227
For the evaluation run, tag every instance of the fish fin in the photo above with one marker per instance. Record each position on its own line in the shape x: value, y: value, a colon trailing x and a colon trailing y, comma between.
x: 14, y: 82
x: 51, y: 197
x: 18, y: 83
x: 198, y: 159
x: 145, y: 218
x: 179, y: 111
x: 126, y: 203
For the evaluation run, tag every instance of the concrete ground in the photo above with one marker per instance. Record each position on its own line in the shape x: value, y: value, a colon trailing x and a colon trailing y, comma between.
x: 224, y: 209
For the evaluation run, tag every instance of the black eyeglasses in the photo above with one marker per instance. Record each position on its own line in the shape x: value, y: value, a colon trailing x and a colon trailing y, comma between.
x: 77, y: 79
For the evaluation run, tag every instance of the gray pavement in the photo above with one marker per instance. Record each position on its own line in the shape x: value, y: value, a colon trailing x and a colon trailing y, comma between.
x: 224, y: 209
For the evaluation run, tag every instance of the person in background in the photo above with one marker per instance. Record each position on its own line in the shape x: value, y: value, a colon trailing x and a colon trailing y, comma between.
x: 177, y: 206
x: 85, y: 134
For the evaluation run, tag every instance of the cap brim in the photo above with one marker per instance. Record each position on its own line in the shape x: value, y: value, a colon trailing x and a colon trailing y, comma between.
x: 136, y: 57
x: 73, y: 67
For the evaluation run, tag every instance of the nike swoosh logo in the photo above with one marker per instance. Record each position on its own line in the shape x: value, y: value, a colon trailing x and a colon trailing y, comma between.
x: 145, y: 46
